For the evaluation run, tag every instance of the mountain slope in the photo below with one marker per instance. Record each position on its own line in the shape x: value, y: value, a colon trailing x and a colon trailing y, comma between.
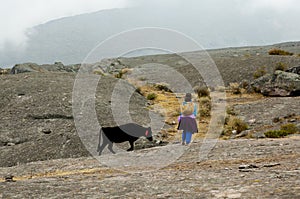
x: 70, y: 39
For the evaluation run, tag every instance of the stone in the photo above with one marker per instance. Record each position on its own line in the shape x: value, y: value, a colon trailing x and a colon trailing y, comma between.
x: 276, y: 119
x: 248, y: 166
x: 243, y: 134
x: 46, y: 131
x: 295, y: 69
x: 282, y: 84
x: 33, y: 67
x: 271, y: 165
x: 9, y: 178
x: 258, y: 135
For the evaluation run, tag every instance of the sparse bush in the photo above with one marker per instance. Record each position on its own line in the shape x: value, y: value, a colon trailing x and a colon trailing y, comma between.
x: 151, y: 96
x: 235, y: 88
x: 280, y: 66
x: 237, y: 124
x: 260, y: 72
x: 4, y: 71
x: 119, y: 75
x: 230, y: 111
x: 201, y: 91
x: 289, y: 128
x: 162, y: 87
x: 276, y: 51
x: 244, y: 84
x: 205, y: 107
x: 285, y: 129
x: 276, y: 134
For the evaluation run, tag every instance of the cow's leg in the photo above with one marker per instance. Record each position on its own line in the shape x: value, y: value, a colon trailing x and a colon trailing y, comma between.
x: 110, y: 147
x: 105, y: 142
x: 102, y: 147
x: 131, y: 142
x: 99, y: 142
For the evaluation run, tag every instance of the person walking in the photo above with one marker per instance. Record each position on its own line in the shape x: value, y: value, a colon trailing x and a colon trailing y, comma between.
x: 187, y: 119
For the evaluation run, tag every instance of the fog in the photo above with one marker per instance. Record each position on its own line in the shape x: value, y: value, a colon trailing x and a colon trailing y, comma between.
x: 213, y: 23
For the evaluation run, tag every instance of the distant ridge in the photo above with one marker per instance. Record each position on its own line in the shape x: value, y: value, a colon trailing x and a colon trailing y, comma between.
x: 70, y: 39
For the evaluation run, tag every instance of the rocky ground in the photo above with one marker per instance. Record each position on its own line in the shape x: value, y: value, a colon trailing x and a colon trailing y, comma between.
x: 245, y: 168
x: 43, y: 155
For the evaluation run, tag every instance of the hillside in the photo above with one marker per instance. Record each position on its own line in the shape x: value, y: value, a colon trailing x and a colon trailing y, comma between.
x: 45, y: 154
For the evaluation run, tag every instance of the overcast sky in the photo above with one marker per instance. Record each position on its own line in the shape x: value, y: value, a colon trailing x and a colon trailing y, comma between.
x: 18, y: 15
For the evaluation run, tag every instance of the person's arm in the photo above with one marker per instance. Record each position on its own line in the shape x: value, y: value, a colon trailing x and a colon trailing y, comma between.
x: 195, y: 110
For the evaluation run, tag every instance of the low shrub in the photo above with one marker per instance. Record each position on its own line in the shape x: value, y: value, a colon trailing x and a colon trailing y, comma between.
x: 244, y: 84
x: 205, y: 107
x: 235, y: 88
x: 162, y: 87
x: 289, y: 128
x: 285, y: 129
x: 202, y: 91
x: 276, y: 134
x: 280, y: 66
x: 237, y: 124
x: 230, y: 111
x: 119, y: 75
x: 276, y: 51
x: 260, y: 72
x: 151, y: 96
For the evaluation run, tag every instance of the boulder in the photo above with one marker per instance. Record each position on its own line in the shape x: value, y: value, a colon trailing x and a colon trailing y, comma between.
x: 33, y: 67
x: 295, y: 69
x: 25, y: 68
x: 281, y: 83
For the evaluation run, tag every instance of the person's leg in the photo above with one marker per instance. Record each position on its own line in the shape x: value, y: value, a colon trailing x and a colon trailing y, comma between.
x: 183, y: 137
x: 188, y: 137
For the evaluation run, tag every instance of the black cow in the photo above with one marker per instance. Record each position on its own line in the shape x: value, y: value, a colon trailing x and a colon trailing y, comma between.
x: 127, y: 132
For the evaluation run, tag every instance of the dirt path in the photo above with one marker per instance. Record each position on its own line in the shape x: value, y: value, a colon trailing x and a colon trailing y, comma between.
x: 244, y: 168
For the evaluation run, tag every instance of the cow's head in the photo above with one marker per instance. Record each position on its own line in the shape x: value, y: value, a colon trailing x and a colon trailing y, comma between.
x: 148, y: 134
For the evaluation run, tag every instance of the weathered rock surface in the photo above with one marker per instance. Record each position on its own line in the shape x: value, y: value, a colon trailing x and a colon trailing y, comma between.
x: 278, y: 84
x: 245, y: 168
x: 33, y: 67
x: 295, y: 69
x: 36, y: 116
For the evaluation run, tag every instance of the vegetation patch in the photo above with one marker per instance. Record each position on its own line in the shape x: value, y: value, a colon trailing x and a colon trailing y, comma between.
x: 234, y: 123
x: 285, y: 129
x: 201, y: 91
x: 261, y: 71
x: 276, y: 134
x: 276, y: 51
x: 289, y: 128
x: 235, y: 88
x: 280, y: 66
x: 205, y: 107
x: 162, y: 87
x: 151, y: 96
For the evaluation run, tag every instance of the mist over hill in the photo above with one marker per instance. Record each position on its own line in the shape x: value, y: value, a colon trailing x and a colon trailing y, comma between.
x: 70, y: 39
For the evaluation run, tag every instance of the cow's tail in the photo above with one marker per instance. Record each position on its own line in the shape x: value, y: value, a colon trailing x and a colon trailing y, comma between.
x: 99, y: 143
